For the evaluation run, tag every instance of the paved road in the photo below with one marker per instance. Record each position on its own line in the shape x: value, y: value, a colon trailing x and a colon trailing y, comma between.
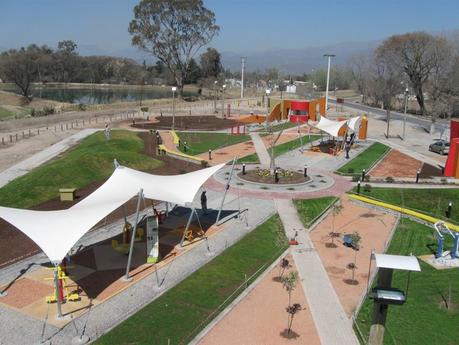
x: 260, y: 147
x: 440, y: 125
x: 331, y: 322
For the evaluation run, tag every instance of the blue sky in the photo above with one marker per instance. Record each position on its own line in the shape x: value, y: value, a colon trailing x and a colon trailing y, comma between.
x: 246, y: 25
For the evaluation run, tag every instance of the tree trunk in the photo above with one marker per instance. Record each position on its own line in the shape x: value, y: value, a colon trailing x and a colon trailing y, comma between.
x: 420, y: 99
x: 388, y: 121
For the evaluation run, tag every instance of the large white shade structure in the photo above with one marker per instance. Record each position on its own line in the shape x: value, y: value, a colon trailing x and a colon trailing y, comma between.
x: 329, y: 126
x: 397, y: 262
x: 56, y: 232
x: 353, y: 124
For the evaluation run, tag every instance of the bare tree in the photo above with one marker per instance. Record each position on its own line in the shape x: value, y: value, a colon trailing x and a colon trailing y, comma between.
x: 386, y: 82
x: 289, y: 282
x: 414, y: 54
x: 21, y: 68
x: 173, y: 31
x: 359, y: 66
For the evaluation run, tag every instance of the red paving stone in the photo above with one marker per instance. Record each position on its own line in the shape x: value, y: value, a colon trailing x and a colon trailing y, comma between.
x: 227, y: 153
x: 26, y: 291
x: 396, y: 164
x: 261, y: 318
x: 373, y: 226
x: 340, y: 186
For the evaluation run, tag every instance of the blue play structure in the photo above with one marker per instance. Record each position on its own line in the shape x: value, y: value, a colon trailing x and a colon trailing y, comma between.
x: 440, y: 229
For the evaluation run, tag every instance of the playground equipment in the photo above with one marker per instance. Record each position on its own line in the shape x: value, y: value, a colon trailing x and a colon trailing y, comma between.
x: 63, y: 294
x: 440, y: 229
x: 127, y: 231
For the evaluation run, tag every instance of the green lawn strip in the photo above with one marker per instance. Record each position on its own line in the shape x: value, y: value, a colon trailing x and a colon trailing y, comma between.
x: 198, y: 142
x: 90, y: 161
x: 432, y: 202
x: 310, y: 209
x: 423, y: 319
x: 278, y: 127
x: 5, y: 113
x: 365, y: 160
x: 183, y: 311
x: 293, y: 144
x: 253, y: 158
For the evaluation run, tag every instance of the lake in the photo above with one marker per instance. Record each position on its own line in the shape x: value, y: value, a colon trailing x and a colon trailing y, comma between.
x: 98, y: 95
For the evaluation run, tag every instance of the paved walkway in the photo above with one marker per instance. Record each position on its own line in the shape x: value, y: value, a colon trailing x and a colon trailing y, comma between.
x: 260, y: 147
x: 331, y: 322
x: 36, y: 160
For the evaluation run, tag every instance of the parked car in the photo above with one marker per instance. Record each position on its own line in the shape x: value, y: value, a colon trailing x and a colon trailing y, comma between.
x: 440, y: 146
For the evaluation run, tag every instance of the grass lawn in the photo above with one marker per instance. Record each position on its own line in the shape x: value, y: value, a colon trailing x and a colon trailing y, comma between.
x: 201, y: 142
x: 293, y: 144
x: 90, y: 161
x: 365, y: 160
x: 253, y: 158
x: 429, y: 201
x: 310, y: 209
x: 5, y: 113
x: 183, y: 311
x: 423, y: 319
x: 279, y: 127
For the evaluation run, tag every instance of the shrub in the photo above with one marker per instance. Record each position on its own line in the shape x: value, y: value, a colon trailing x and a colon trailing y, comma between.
x: 144, y: 109
x: 444, y: 180
x: 367, y: 188
x: 350, y: 170
x: 82, y: 107
x: 355, y: 178
x: 367, y: 178
x: 389, y: 179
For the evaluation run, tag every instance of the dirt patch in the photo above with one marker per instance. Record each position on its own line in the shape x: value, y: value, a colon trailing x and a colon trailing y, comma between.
x: 194, y: 122
x: 292, y: 178
x: 428, y: 170
x: 396, y: 164
x: 16, y: 246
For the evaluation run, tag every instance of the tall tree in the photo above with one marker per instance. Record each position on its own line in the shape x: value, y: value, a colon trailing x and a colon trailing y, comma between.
x: 211, y: 64
x: 67, y: 59
x: 415, y: 55
x: 173, y: 31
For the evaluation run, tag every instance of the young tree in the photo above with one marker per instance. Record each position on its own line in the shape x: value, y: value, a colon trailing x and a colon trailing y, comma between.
x: 336, y: 209
x: 173, y: 31
x: 289, y: 282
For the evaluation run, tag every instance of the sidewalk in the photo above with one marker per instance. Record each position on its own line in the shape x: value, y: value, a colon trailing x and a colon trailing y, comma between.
x: 260, y: 147
x: 331, y: 322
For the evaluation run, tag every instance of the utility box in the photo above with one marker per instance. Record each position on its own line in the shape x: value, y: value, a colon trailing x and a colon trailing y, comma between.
x: 67, y: 194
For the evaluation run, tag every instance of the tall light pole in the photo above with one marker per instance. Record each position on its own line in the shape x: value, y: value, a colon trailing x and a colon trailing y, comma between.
x: 404, y: 117
x: 268, y: 91
x: 223, y: 99
x: 243, y: 59
x: 328, y: 80
x: 215, y: 96
x: 173, y: 107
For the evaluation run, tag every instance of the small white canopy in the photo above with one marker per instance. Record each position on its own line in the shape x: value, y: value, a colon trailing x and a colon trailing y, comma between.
x: 56, y: 232
x: 398, y: 262
x: 354, y: 123
x: 329, y: 126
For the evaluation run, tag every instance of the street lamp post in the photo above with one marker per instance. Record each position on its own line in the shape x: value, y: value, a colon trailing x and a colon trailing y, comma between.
x: 243, y: 59
x: 268, y: 91
x: 215, y: 96
x: 328, y: 80
x: 173, y: 106
x: 404, y: 117
x: 223, y: 99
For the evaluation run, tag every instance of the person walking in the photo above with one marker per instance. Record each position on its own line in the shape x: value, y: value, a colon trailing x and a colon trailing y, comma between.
x: 204, y: 202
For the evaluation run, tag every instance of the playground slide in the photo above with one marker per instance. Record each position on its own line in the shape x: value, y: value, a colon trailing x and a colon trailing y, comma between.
x: 403, y: 210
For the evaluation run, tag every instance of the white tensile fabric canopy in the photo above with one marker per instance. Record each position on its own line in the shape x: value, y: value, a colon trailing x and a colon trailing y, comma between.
x: 329, y: 126
x: 56, y: 232
x: 354, y: 123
